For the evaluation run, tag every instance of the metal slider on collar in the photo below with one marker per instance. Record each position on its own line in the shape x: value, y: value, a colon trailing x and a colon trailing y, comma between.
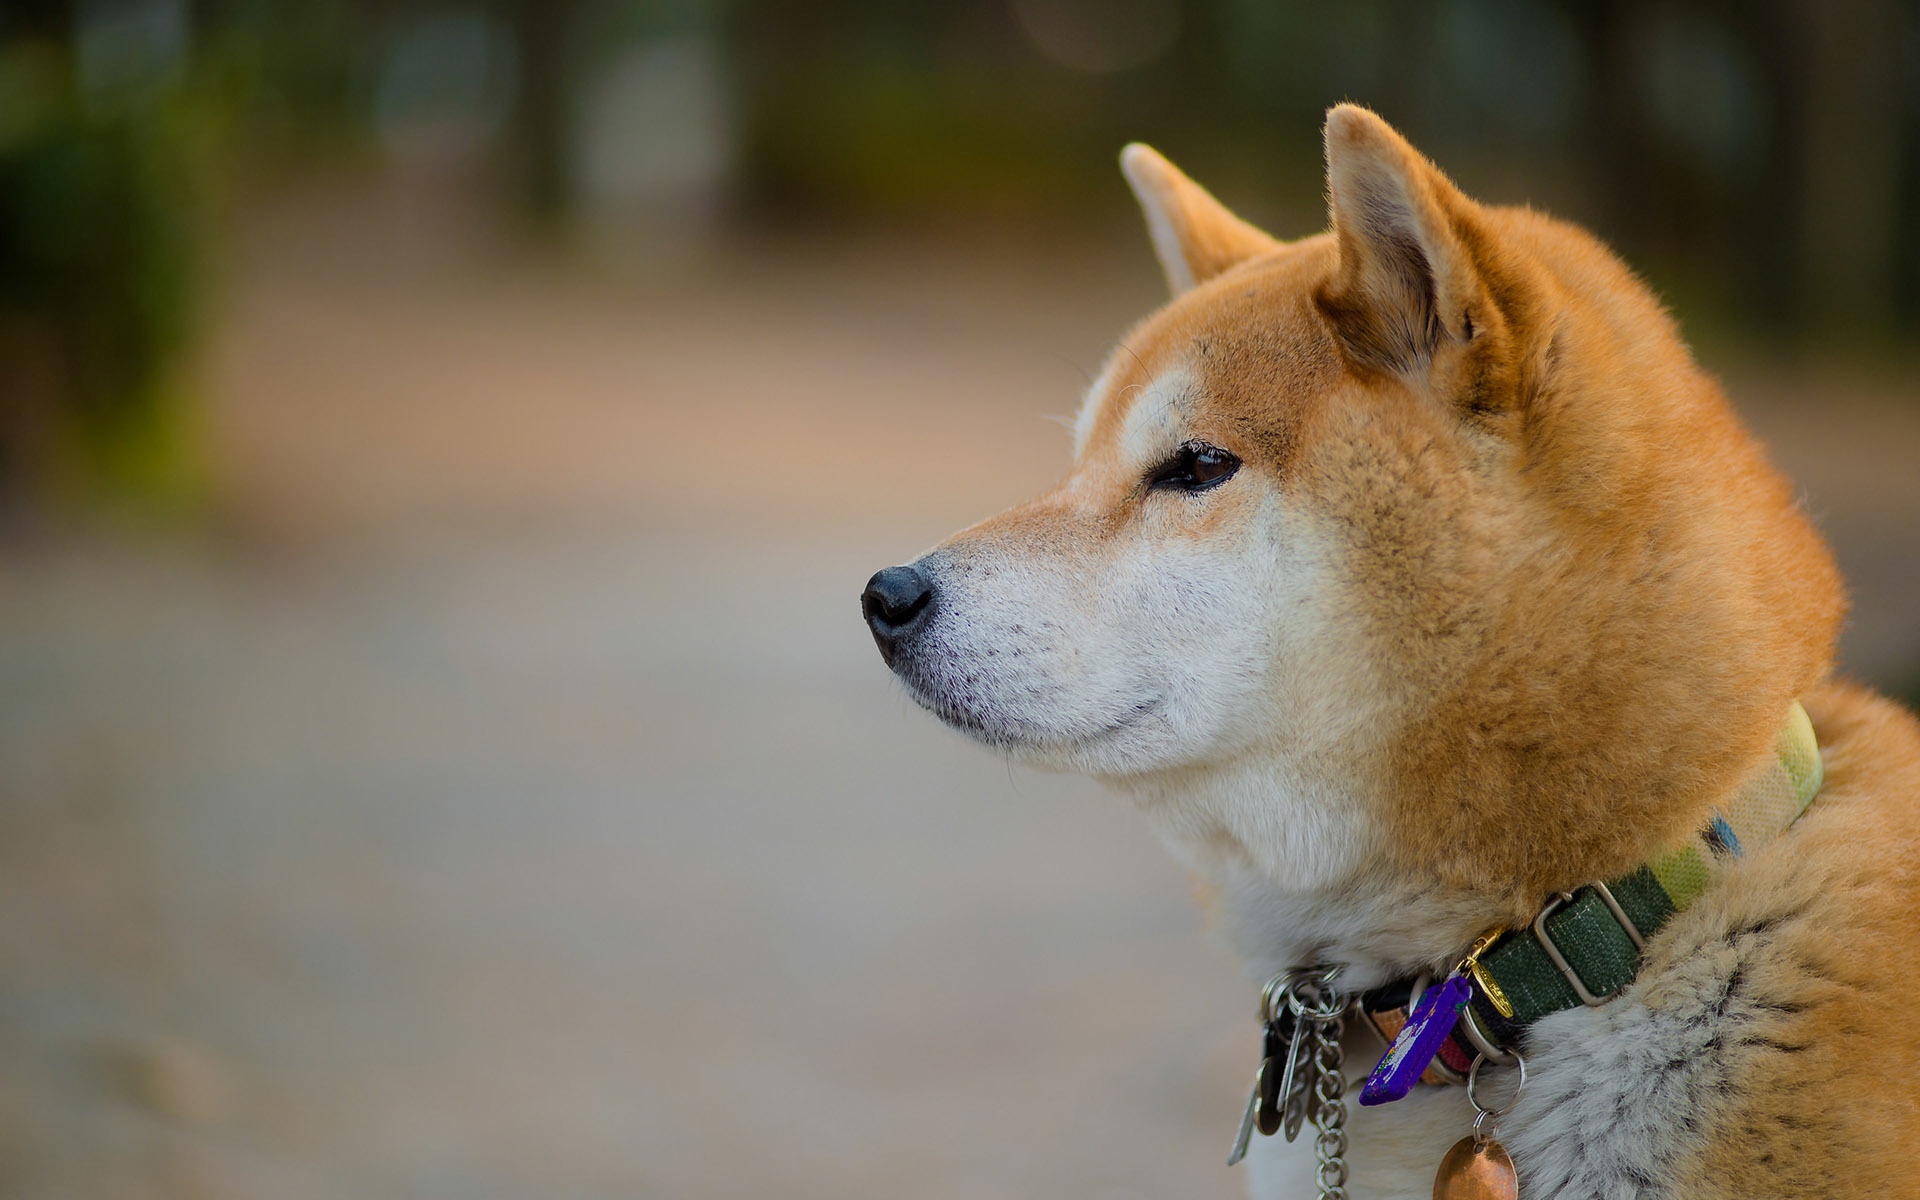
x: 1483, y: 1040
x: 1559, y: 960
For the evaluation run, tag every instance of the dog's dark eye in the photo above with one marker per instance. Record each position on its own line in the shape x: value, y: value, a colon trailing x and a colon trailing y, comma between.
x: 1195, y: 467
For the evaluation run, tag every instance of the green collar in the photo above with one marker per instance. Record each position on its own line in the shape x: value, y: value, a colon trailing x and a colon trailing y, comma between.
x: 1585, y: 945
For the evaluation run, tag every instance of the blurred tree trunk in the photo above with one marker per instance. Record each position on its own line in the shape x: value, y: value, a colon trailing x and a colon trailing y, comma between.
x: 542, y: 34
x: 1627, y: 179
x: 54, y: 20
x: 1772, y: 221
x: 34, y: 386
x: 1851, y: 159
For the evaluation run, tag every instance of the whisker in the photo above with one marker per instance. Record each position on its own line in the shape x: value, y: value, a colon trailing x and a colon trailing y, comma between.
x: 1077, y: 368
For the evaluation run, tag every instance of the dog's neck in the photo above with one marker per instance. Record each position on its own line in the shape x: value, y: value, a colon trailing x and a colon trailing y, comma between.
x: 1298, y: 867
x: 1374, y: 929
x: 1286, y: 852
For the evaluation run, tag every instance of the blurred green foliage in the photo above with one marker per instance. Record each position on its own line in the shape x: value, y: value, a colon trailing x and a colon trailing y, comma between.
x: 104, y: 205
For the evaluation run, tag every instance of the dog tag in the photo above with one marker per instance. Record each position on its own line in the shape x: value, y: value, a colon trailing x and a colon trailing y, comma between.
x: 1477, y: 1169
x: 1278, y: 1046
x: 1414, y: 1047
x: 1263, y: 1105
x: 1296, y: 1086
x: 1244, y: 1139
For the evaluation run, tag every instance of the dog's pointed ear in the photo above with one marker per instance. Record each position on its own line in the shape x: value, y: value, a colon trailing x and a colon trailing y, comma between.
x: 1406, y: 280
x: 1194, y: 235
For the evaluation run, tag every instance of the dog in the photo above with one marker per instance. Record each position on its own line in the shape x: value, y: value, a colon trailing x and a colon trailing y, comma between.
x: 1414, y: 582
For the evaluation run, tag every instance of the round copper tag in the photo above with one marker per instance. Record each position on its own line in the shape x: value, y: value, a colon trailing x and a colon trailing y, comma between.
x: 1476, y: 1171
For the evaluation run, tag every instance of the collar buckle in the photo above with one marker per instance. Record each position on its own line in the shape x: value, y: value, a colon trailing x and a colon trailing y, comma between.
x: 1559, y: 959
x: 1620, y: 915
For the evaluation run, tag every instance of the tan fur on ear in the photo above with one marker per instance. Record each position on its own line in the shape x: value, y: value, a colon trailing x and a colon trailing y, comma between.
x: 1194, y: 235
x: 1405, y: 280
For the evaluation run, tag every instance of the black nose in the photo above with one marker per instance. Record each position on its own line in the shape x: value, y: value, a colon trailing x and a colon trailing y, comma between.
x: 894, y: 602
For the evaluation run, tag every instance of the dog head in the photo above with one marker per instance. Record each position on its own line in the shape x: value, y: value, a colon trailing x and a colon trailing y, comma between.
x: 1381, y: 541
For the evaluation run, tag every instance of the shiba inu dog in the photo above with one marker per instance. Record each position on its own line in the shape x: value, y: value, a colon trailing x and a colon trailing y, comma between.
x: 1435, y: 608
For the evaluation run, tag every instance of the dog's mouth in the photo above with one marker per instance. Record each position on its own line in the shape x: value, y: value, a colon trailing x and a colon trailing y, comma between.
x: 993, y: 722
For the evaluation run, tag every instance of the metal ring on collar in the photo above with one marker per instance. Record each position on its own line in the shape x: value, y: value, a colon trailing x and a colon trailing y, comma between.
x: 1269, y: 995
x: 1473, y: 1079
x: 1483, y: 1041
x: 1288, y: 987
x: 1323, y: 1004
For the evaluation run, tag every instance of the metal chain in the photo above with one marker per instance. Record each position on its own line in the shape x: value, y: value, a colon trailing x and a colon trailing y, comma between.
x: 1300, y: 1075
x: 1319, y: 1013
x: 1330, y: 1113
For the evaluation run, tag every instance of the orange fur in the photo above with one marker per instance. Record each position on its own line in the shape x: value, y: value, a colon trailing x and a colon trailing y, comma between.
x: 1644, y: 636
x: 1822, y: 1098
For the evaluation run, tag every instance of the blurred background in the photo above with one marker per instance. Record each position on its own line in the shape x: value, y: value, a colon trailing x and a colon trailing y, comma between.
x: 441, y: 445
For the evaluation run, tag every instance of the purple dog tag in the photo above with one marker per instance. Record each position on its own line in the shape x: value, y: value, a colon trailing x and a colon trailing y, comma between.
x: 1429, y: 1024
